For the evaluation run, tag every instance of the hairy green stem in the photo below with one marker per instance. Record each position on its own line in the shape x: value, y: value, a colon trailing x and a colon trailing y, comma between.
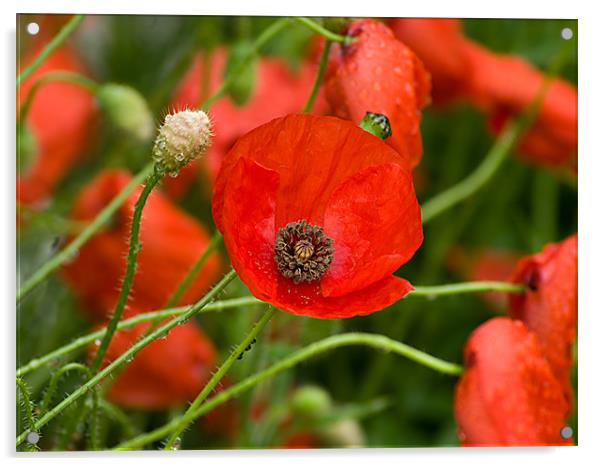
x: 85, y: 340
x: 266, y: 35
x: 129, y: 354
x: 74, y: 366
x: 71, y: 249
x: 63, y: 76
x: 56, y: 41
x: 322, y: 30
x: 319, y: 76
x: 379, y: 342
x: 27, y: 404
x: 128, y: 280
x: 419, y: 291
x: 188, y: 416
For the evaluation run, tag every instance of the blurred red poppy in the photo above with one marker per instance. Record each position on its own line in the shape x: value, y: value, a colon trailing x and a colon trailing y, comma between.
x: 172, y: 242
x: 292, y: 190
x: 60, y: 119
x: 166, y: 373
x: 377, y: 73
x: 278, y: 91
x: 549, y: 307
x: 508, y: 395
x: 501, y: 85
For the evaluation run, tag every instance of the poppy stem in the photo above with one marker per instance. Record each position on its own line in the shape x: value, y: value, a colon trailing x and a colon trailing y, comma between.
x: 188, y: 416
x: 129, y: 354
x: 71, y: 249
x: 264, y: 37
x: 134, y: 249
x: 322, y: 30
x: 63, y: 76
x: 379, y: 342
x: 466, y: 287
x: 190, y: 276
x: 319, y: 76
x: 85, y: 340
x: 56, y: 41
x: 497, y: 154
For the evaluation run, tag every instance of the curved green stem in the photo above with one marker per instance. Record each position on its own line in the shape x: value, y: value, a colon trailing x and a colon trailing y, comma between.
x: 190, y: 276
x: 466, y: 287
x: 496, y: 155
x: 266, y: 35
x: 63, y: 76
x: 322, y: 30
x: 71, y: 249
x: 319, y: 76
x: 85, y: 340
x: 56, y: 41
x: 128, y: 280
x: 379, y: 342
x: 55, y: 380
x: 130, y: 353
x: 188, y: 416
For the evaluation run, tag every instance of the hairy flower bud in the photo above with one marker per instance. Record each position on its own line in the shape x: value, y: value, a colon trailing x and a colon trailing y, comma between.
x: 127, y: 111
x: 183, y: 137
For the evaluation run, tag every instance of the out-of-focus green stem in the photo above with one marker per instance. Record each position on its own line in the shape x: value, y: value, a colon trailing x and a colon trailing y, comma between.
x: 322, y: 30
x: 51, y: 46
x: 129, y: 354
x: 71, y: 249
x: 266, y: 35
x: 188, y: 416
x: 379, y: 342
x: 319, y: 77
x: 466, y: 287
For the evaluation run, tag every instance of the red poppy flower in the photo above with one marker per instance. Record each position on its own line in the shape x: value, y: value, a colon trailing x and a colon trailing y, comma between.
x: 501, y: 85
x: 439, y: 43
x: 59, y: 119
x: 172, y: 241
x: 378, y: 73
x: 508, y: 394
x: 278, y: 91
x: 549, y: 307
x: 504, y: 85
x: 292, y: 190
x: 165, y: 373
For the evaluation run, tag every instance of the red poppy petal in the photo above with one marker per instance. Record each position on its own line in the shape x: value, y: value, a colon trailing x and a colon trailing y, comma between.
x: 306, y: 299
x: 508, y: 394
x: 249, y: 225
x: 375, y: 222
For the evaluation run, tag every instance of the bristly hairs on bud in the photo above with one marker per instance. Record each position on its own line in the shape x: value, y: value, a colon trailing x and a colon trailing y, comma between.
x: 183, y: 137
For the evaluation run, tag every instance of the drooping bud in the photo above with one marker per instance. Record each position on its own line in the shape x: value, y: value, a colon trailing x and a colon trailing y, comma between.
x: 244, y: 71
x: 335, y: 24
x: 127, y: 111
x: 311, y: 402
x: 183, y: 137
x: 377, y: 124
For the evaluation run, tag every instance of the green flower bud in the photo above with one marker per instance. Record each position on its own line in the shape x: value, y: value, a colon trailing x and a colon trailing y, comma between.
x: 127, y: 111
x: 377, y: 124
x: 27, y: 147
x: 183, y: 137
x: 335, y: 24
x: 242, y: 87
x: 311, y: 402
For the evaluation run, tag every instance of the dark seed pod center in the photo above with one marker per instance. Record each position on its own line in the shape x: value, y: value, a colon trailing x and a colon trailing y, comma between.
x: 303, y: 252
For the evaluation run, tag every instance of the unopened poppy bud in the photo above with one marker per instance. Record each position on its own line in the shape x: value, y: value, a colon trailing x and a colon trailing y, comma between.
x: 335, y: 24
x: 183, y: 137
x: 27, y: 147
x: 311, y: 402
x: 377, y: 124
x: 244, y: 71
x: 127, y: 111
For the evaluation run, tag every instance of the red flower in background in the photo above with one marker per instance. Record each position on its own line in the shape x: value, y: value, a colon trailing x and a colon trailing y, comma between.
x: 501, y: 85
x: 165, y: 373
x: 549, y: 307
x: 279, y: 91
x: 377, y: 73
x: 316, y: 215
x: 59, y: 119
x: 508, y: 394
x: 172, y: 241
